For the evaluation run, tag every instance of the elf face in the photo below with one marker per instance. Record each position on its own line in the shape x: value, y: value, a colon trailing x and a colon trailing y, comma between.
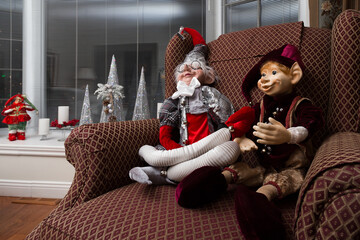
x: 18, y: 100
x: 276, y: 79
x: 190, y: 70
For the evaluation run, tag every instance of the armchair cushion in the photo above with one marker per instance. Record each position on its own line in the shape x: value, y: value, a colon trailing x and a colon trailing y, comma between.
x: 102, y: 155
x: 329, y: 200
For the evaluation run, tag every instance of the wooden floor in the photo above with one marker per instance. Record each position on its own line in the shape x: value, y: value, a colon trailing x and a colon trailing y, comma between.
x: 17, y: 220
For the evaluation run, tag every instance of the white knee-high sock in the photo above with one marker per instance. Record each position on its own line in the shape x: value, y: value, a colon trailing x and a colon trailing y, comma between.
x: 220, y: 156
x: 160, y: 158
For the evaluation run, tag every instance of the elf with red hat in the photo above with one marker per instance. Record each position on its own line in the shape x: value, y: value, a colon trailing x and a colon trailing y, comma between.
x: 16, y: 116
x: 284, y: 123
x: 200, y: 116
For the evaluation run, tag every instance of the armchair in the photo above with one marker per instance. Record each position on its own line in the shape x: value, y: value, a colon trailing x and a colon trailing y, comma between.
x: 103, y: 203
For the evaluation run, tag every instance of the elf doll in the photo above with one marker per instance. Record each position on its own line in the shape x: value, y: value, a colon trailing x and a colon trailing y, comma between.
x: 194, y: 124
x: 16, y: 116
x: 284, y: 125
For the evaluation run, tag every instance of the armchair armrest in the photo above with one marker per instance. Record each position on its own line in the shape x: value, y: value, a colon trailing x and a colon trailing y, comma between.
x: 103, y: 154
x: 329, y: 200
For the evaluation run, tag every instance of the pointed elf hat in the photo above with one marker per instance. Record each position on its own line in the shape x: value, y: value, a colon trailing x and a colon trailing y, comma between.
x: 13, y: 97
x: 200, y: 47
x: 23, y: 98
x: 286, y: 55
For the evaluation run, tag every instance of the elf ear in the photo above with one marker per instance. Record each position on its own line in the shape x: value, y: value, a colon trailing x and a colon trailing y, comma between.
x: 210, y: 77
x: 296, y: 73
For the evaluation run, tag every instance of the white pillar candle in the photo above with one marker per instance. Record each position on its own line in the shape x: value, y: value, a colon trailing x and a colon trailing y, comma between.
x: 44, y: 124
x: 63, y: 114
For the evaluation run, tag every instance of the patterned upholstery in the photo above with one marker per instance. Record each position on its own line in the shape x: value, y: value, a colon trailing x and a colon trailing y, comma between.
x: 109, y: 150
x: 329, y: 200
x: 103, y: 203
x: 233, y: 61
x: 344, y: 114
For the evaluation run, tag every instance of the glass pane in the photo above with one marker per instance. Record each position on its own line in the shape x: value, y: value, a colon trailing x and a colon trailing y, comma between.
x: 5, y: 88
x: 93, y: 18
x: 16, y: 82
x: 17, y: 26
x: 5, y: 19
x: 233, y: 1
x: 121, y: 42
x: 158, y: 16
x: 240, y: 17
x: 16, y: 54
x: 4, y: 53
x: 5, y: 91
x: 4, y: 24
x: 279, y: 11
x: 2, y: 103
x: 135, y: 32
x: 61, y: 56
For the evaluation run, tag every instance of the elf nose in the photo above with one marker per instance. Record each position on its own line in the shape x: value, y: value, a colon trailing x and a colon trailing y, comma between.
x: 264, y: 80
x: 186, y: 67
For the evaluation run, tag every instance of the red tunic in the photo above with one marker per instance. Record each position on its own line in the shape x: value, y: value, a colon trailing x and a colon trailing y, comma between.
x: 18, y: 115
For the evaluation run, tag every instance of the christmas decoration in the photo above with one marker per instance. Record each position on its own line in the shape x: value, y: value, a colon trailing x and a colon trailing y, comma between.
x: 55, y: 123
x: 85, y: 117
x: 111, y: 95
x: 141, y: 110
x: 64, y: 127
x: 16, y: 116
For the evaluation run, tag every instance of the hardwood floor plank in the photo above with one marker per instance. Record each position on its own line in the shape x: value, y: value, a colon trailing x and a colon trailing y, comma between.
x: 17, y: 220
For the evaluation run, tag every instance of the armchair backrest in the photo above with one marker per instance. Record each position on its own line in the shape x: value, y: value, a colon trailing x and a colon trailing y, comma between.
x: 332, y: 65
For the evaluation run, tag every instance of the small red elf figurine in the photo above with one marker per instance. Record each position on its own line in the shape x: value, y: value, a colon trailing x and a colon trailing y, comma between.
x: 16, y: 116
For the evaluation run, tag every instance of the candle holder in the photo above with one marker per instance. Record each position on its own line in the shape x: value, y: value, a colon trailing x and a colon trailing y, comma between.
x: 43, y: 137
x: 63, y: 127
x: 63, y: 131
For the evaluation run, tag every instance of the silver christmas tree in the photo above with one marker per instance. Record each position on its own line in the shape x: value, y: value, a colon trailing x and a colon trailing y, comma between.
x: 111, y: 95
x: 141, y: 109
x: 86, y: 109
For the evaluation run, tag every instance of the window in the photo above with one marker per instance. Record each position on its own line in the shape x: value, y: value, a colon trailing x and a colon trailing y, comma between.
x: 83, y: 35
x: 244, y: 14
x: 10, y: 50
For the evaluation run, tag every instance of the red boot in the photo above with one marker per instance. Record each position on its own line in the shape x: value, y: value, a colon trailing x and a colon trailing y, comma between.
x: 12, y: 136
x: 258, y: 218
x: 20, y: 135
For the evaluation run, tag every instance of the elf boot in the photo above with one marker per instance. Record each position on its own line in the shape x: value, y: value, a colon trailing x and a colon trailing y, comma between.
x: 258, y: 218
x: 12, y: 136
x: 202, y: 186
x: 20, y: 135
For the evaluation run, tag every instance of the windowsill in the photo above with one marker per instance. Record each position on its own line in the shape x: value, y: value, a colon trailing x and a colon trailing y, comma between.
x: 32, y: 145
x: 34, y: 167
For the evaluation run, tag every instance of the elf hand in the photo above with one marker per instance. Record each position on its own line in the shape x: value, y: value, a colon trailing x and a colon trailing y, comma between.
x: 245, y: 144
x: 273, y: 133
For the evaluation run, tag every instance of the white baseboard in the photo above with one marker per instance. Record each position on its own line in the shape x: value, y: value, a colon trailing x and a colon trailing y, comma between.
x: 36, y: 189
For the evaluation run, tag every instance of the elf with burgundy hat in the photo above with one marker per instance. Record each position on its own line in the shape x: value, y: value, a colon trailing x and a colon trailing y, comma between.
x: 284, y: 124
x: 16, y: 116
x: 194, y: 124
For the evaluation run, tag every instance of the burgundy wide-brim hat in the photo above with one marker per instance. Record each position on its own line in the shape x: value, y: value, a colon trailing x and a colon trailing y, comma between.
x: 286, y: 55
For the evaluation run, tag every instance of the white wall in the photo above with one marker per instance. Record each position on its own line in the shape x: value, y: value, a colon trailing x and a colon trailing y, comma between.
x: 34, y: 168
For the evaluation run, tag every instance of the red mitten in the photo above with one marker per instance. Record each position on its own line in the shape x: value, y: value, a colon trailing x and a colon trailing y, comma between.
x: 165, y: 138
x: 241, y: 121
